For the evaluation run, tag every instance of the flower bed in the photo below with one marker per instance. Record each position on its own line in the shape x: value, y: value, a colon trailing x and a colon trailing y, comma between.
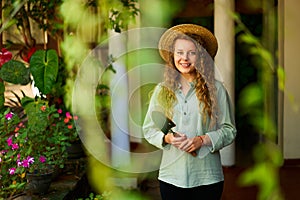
x: 35, y: 143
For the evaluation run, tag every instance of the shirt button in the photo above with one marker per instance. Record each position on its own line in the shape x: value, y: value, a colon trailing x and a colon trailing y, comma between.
x: 184, y: 113
x: 185, y: 101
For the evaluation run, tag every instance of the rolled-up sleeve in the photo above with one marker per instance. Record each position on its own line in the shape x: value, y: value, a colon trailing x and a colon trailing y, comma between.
x: 225, y: 132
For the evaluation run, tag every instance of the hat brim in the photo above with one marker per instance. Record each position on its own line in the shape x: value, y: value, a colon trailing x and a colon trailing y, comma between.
x: 209, y: 40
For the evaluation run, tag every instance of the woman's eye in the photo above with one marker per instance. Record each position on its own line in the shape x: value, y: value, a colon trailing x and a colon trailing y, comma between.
x: 190, y: 53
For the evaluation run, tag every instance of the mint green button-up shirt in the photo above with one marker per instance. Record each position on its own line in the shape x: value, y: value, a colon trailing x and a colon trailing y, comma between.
x: 181, y: 168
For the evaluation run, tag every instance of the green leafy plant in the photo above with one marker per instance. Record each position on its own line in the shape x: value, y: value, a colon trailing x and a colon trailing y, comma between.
x: 122, y: 13
x: 23, y: 14
x: 46, y: 134
x: 43, y: 66
x: 267, y: 156
x: 34, y: 141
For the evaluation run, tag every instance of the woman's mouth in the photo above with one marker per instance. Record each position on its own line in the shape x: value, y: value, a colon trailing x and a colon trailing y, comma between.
x: 185, y: 65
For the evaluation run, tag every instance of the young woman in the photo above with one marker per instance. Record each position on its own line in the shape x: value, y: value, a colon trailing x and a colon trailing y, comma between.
x: 199, y: 106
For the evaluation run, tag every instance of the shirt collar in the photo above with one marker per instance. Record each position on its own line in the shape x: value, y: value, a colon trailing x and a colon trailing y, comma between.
x: 192, y: 84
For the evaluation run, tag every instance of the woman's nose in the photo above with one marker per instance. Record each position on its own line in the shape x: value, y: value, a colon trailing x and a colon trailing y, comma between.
x: 185, y: 56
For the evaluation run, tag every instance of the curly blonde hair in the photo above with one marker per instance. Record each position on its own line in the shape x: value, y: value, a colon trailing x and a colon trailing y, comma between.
x: 204, y: 81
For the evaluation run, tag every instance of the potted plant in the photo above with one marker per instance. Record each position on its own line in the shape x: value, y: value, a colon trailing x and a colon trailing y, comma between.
x: 32, y: 146
x: 47, y: 138
x: 46, y: 129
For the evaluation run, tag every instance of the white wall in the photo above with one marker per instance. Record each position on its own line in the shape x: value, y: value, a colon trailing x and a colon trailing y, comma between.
x: 224, y: 60
x: 291, y: 64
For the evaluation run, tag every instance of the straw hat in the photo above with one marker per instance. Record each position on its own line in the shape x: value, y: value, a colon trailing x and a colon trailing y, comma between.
x: 209, y: 40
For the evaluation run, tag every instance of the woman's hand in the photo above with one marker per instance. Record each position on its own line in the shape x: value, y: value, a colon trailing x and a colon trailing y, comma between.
x: 191, y: 144
x: 175, y: 139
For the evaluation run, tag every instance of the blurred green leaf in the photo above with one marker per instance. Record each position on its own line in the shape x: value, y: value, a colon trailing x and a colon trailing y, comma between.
x: 281, y: 78
x: 250, y: 97
x: 249, y: 39
x: 262, y: 174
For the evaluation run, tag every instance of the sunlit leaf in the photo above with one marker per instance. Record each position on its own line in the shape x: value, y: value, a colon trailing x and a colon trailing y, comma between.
x: 262, y: 174
x: 249, y: 39
x: 251, y: 96
x: 266, y: 55
x: 281, y: 78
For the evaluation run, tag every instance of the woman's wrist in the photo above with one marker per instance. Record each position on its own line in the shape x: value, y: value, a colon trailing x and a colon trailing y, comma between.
x: 202, y: 142
x: 205, y: 140
x: 165, y: 139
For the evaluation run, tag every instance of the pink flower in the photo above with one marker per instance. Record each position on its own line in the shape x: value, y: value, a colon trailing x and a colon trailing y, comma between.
x: 19, y: 163
x: 9, y: 141
x: 26, y: 162
x: 75, y: 117
x: 70, y: 126
x: 12, y: 170
x: 59, y: 111
x: 42, y: 159
x: 30, y: 159
x: 15, y: 146
x: 0, y: 159
x: 68, y: 115
x: 5, y: 56
x: 9, y: 115
x: 3, y: 152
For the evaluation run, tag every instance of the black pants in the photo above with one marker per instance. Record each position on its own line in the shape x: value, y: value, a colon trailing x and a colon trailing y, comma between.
x: 205, y: 192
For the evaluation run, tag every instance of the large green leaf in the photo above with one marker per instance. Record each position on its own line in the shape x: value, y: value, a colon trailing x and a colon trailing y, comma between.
x: 44, y: 69
x: 15, y: 72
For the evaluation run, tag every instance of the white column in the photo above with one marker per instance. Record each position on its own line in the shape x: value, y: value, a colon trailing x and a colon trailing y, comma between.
x: 224, y: 31
x: 290, y: 61
x: 120, y: 148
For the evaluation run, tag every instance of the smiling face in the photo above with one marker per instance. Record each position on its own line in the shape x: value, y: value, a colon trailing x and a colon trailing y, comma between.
x: 185, y: 56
